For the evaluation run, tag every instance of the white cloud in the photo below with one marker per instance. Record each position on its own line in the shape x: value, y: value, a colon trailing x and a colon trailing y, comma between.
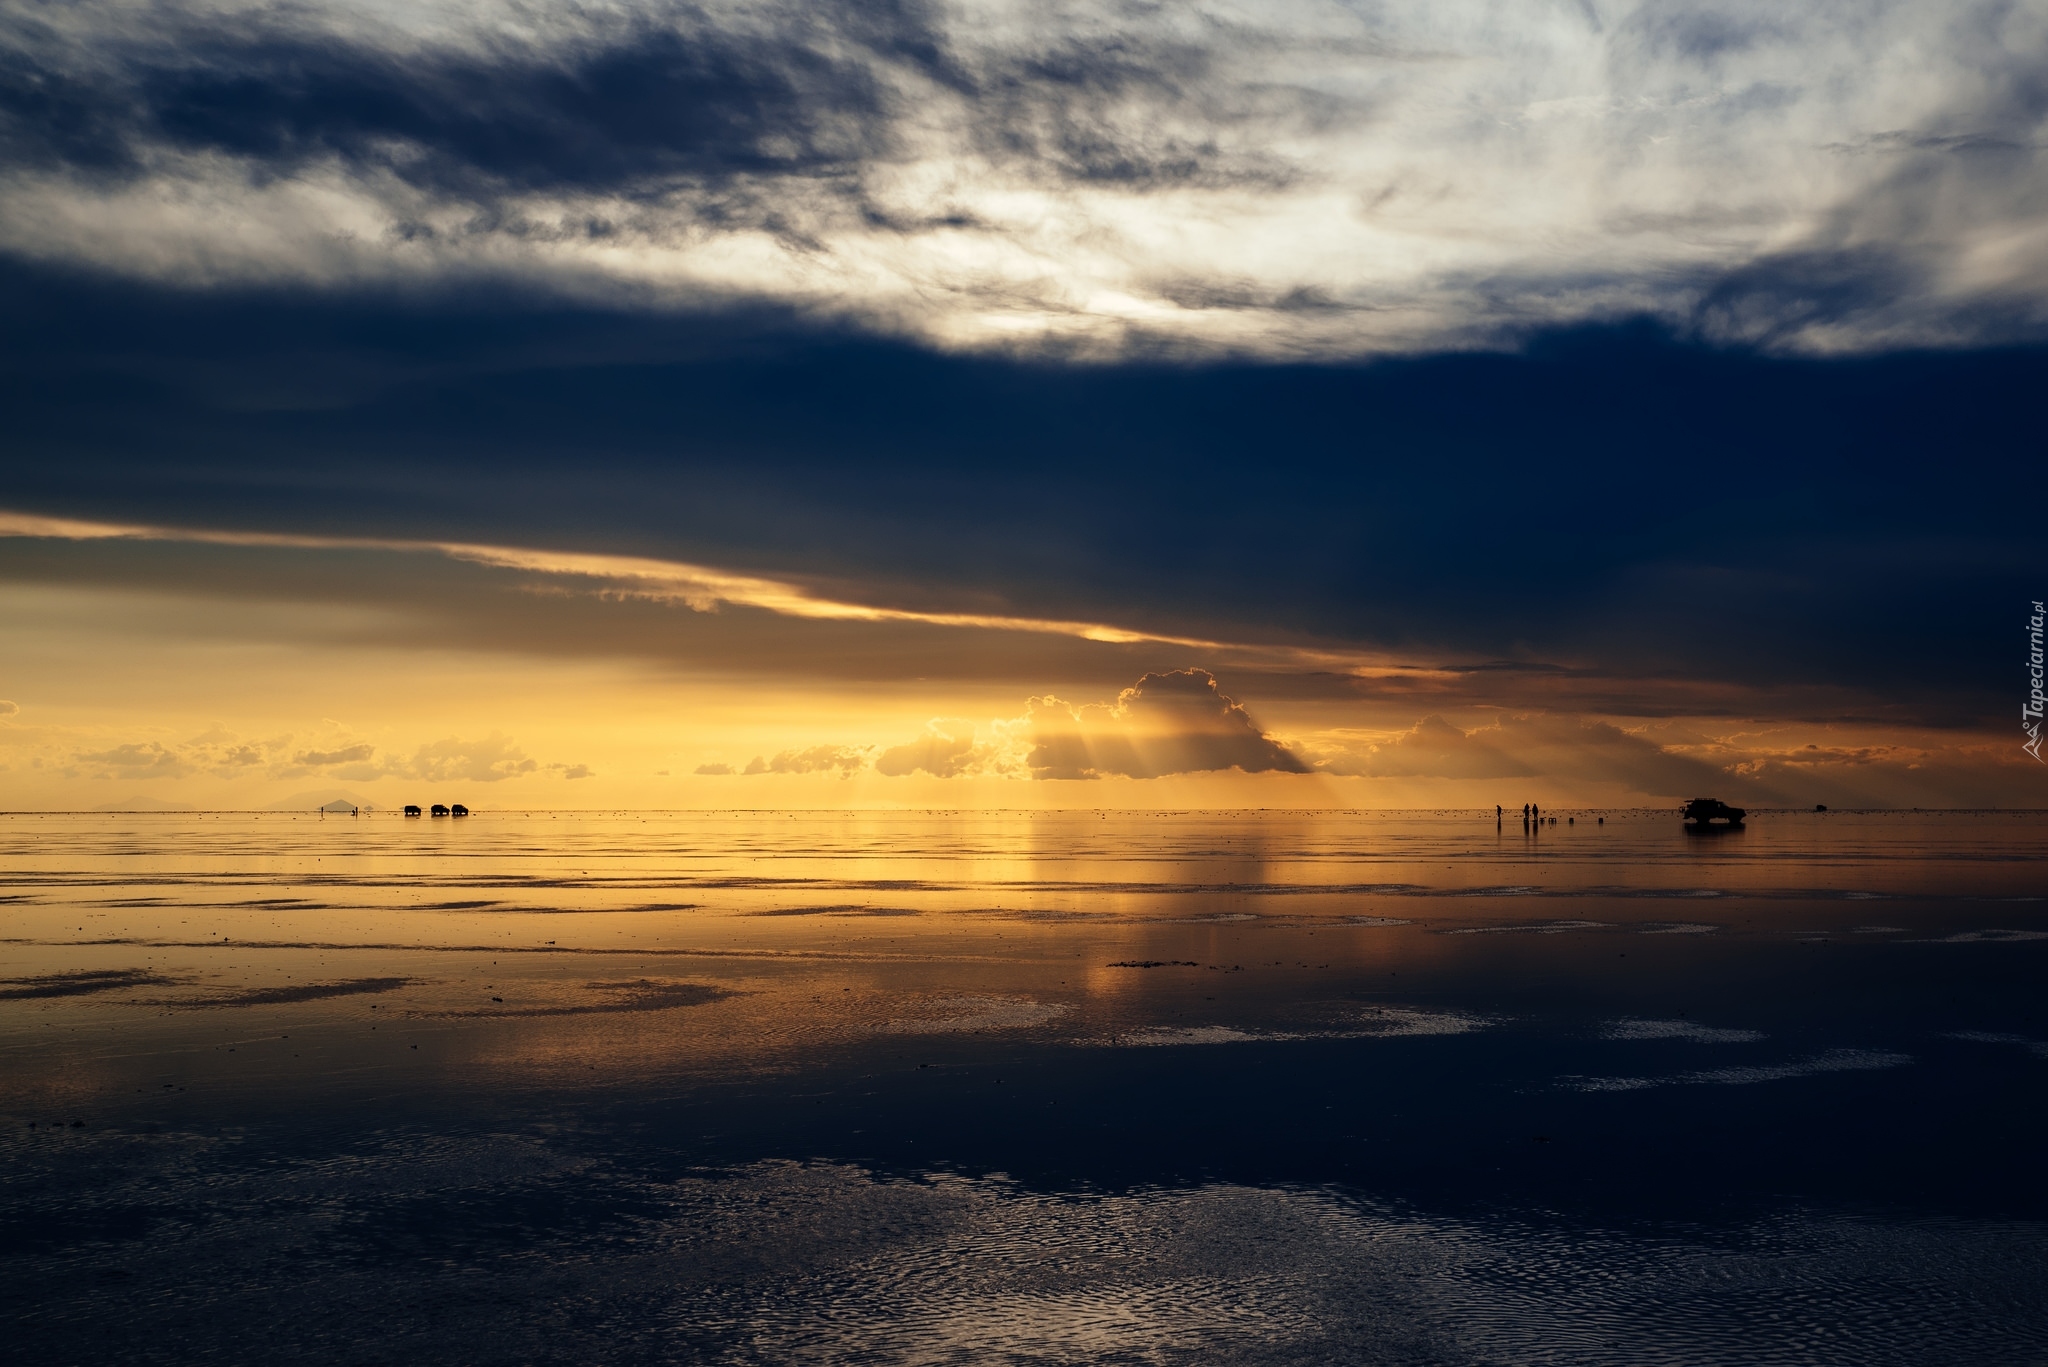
x: 147, y: 759
x: 347, y: 754
x: 947, y: 749
x: 1297, y: 177
x: 814, y: 759
x: 490, y: 760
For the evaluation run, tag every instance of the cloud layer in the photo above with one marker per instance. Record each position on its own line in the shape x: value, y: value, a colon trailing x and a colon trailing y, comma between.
x: 1303, y: 178
x: 1525, y: 746
x: 220, y: 753
x: 1167, y: 723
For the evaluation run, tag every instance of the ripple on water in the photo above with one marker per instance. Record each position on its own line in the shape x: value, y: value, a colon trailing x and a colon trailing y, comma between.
x: 1831, y: 1061
x: 2039, y: 1048
x: 966, y: 1015
x: 1990, y: 937
x: 1680, y: 1029
x: 1226, y: 1274
x: 1373, y: 1022
x: 593, y: 1260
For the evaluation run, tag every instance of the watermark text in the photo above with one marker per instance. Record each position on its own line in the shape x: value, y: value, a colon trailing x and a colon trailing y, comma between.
x: 2030, y: 715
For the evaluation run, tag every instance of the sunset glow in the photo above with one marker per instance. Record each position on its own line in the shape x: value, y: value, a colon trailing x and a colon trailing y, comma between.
x: 967, y: 683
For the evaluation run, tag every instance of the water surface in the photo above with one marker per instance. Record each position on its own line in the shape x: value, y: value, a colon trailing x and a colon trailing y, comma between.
x: 1076, y: 1087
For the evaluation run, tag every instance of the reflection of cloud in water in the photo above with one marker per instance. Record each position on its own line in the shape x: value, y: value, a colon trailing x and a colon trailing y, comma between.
x: 640, y: 994
x: 517, y: 909
x: 1054, y: 915
x: 285, y: 996
x: 964, y: 1015
x: 1685, y: 1030
x: 2038, y: 1047
x: 79, y: 984
x: 1566, y: 927
x: 1993, y: 937
x: 1411, y: 1020
x: 1197, y: 1034
x: 1375, y: 1022
x: 1833, y: 1061
x: 840, y: 909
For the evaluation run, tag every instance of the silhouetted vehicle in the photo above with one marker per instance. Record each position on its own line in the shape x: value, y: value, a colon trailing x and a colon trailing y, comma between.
x: 440, y: 809
x: 458, y: 810
x: 411, y: 809
x: 1820, y: 806
x: 1702, y: 810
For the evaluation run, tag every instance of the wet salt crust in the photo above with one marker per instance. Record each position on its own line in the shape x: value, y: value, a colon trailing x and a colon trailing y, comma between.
x: 1001, y: 1088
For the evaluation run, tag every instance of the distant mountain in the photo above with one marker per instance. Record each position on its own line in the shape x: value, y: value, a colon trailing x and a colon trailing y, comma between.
x: 322, y: 799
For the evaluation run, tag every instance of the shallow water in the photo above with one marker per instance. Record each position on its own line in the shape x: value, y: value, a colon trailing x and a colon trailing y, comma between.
x: 1079, y: 1087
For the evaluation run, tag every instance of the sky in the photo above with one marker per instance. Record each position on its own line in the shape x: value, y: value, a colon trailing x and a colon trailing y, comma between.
x: 1063, y: 405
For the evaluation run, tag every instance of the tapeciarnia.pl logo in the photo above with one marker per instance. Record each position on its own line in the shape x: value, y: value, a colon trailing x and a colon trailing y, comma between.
x: 2030, y: 715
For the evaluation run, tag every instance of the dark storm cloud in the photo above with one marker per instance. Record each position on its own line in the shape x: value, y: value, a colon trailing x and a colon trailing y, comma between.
x: 630, y: 106
x: 1608, y: 513
x: 637, y: 103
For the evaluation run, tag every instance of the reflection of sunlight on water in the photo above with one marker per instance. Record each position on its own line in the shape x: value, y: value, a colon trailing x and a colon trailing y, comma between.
x: 1197, y: 1034
x: 956, y: 1015
x: 975, y: 979
x: 1376, y: 1022
x: 524, y: 950
x: 1145, y: 1324
x: 784, y: 1263
x: 1227, y: 1274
